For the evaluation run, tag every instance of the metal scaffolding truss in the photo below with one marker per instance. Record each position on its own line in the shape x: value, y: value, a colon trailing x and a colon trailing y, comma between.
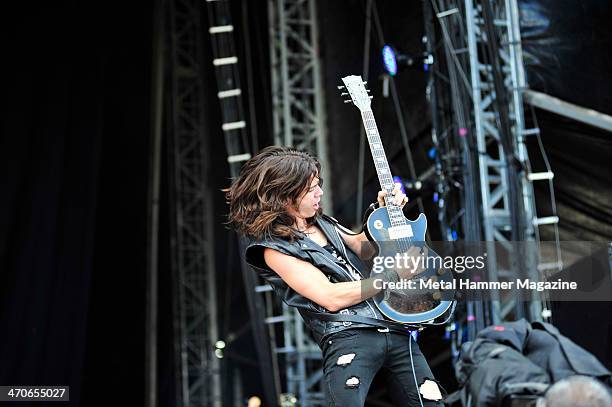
x: 296, y: 352
x: 508, y: 202
x: 229, y: 92
x: 485, y: 68
x: 226, y: 63
x: 302, y: 360
x: 195, y: 309
x: 299, y: 121
x: 297, y: 94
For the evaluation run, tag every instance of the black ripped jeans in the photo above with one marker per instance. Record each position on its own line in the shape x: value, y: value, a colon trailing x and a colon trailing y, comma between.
x: 351, y: 359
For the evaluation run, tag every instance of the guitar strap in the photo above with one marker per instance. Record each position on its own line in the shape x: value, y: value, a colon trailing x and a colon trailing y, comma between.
x: 346, y: 230
x: 339, y: 226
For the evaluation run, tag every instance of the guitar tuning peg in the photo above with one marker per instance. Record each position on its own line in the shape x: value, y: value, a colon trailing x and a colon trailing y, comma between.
x: 368, y: 90
x: 348, y: 101
x: 371, y: 97
x: 365, y: 82
x: 340, y: 87
x: 344, y: 94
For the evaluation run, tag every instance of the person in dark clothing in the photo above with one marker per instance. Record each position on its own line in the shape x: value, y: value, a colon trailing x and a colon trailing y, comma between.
x: 315, y: 265
x: 522, y: 358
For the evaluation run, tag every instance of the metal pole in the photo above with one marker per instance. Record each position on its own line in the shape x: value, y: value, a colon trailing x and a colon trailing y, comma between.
x: 157, y: 88
x: 558, y: 106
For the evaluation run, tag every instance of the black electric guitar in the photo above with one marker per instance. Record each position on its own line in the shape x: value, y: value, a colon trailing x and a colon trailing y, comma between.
x: 394, y: 234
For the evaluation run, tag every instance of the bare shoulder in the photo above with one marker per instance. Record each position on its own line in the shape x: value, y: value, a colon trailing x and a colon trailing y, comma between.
x: 302, y: 276
x: 275, y: 258
x: 282, y: 263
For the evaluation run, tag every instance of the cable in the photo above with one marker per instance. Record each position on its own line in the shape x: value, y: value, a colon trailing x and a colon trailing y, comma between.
x: 366, y: 74
x: 450, y: 315
x: 416, y: 383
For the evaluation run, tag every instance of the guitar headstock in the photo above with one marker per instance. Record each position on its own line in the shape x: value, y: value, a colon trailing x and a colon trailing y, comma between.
x: 356, y: 91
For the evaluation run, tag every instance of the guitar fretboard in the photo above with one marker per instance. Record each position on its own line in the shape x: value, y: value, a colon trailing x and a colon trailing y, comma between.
x: 382, y: 166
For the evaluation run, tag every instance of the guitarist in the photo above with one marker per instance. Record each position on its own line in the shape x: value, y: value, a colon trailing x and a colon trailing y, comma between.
x: 314, y: 264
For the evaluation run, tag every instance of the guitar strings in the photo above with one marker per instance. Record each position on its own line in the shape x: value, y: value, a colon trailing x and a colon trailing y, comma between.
x: 402, y: 244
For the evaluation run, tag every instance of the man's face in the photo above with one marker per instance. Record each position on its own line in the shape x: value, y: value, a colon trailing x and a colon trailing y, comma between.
x: 309, y: 201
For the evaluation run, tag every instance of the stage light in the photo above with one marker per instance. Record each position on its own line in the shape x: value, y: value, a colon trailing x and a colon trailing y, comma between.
x: 219, y: 346
x: 254, y: 402
x: 288, y: 400
x: 394, y: 60
x: 450, y: 328
x: 399, y: 180
x: 427, y: 61
x: 413, y: 186
x: 390, y: 60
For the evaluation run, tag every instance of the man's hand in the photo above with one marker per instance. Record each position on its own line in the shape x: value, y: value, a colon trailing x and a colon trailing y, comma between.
x: 398, y: 198
x: 417, y: 261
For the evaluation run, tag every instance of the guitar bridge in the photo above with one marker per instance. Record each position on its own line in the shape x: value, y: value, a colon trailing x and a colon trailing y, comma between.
x: 400, y: 232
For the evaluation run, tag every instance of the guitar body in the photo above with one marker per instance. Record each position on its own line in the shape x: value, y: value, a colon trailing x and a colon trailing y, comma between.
x: 380, y: 217
x: 409, y: 306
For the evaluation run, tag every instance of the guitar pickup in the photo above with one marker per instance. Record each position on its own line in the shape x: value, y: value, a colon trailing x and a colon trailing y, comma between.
x: 400, y: 232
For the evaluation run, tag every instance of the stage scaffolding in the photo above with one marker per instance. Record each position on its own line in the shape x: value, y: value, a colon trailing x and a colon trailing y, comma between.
x: 477, y: 95
x: 299, y: 121
x: 229, y: 92
x: 297, y: 94
x: 239, y: 148
x: 195, y: 308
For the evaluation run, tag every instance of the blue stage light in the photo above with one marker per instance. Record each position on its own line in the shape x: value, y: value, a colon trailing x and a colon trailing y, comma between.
x: 399, y: 180
x: 390, y: 60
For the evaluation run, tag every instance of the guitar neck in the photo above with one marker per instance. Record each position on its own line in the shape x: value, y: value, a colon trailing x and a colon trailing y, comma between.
x: 380, y: 160
x: 378, y: 152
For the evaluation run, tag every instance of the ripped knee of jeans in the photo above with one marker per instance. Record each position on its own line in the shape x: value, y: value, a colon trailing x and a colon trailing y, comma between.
x: 431, y: 390
x: 352, y: 382
x: 346, y: 359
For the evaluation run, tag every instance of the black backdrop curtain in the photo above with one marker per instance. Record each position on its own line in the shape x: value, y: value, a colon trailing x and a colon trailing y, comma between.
x: 567, y: 55
x: 72, y: 214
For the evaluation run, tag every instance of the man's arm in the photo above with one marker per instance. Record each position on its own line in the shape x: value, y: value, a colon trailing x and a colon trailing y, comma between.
x: 310, y: 282
x: 356, y: 242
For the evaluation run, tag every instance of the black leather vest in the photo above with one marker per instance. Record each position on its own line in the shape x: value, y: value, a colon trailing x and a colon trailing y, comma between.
x: 307, y: 250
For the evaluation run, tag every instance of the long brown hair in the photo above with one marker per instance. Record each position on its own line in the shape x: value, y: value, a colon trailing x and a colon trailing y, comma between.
x: 268, y: 183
